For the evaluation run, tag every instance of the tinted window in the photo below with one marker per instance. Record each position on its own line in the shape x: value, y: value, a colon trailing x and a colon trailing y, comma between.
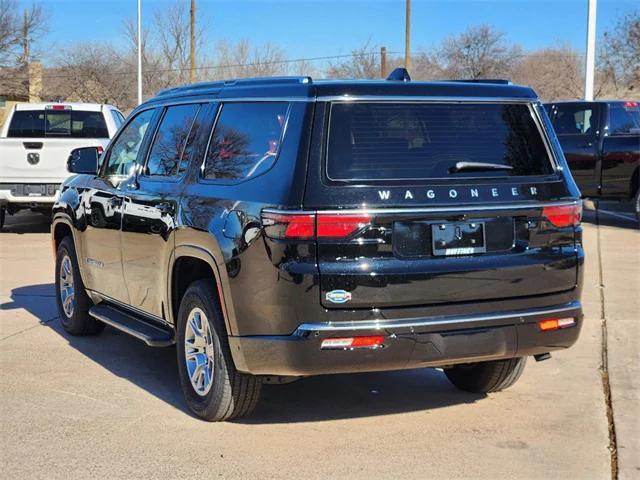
x: 574, y: 120
x: 124, y: 152
x: 168, y: 155
x: 624, y: 120
x: 245, y: 140
x: 118, y: 118
x: 57, y: 123
x: 408, y: 141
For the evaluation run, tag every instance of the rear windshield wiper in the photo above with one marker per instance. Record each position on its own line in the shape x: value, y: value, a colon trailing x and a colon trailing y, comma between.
x: 478, y: 167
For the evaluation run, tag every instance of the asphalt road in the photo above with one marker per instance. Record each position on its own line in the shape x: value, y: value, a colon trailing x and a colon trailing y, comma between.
x: 110, y: 407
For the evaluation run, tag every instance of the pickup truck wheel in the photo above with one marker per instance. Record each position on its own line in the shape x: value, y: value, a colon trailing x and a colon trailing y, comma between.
x: 71, y: 297
x: 636, y: 204
x: 213, y: 388
x: 3, y: 214
x: 486, y: 377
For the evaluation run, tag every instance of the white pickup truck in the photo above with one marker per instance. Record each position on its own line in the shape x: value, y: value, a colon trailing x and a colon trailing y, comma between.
x: 35, y: 142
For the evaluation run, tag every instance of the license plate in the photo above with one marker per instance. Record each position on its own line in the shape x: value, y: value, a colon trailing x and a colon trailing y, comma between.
x: 458, y: 238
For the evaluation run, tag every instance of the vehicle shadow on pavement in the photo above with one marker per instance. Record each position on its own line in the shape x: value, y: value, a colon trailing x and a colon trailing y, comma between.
x: 320, y: 398
x: 27, y: 222
x: 610, y: 214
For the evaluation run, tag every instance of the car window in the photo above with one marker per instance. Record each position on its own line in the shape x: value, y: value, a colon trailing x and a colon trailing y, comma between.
x: 169, y: 155
x: 624, y: 119
x: 382, y: 141
x: 575, y: 120
x: 63, y: 122
x: 245, y: 140
x: 118, y: 118
x: 124, y: 152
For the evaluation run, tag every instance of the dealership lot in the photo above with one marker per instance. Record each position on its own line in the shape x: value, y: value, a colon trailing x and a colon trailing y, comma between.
x: 111, y: 407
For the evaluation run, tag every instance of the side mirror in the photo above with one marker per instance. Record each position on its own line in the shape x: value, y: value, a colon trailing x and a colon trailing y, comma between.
x: 83, y: 160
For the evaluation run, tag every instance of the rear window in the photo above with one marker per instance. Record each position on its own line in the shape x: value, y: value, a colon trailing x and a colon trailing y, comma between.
x: 57, y: 123
x: 369, y: 141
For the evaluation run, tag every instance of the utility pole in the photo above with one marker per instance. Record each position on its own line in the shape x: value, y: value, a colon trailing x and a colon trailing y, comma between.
x: 192, y: 52
x: 139, y: 52
x: 383, y: 62
x: 407, y: 35
x: 591, y: 51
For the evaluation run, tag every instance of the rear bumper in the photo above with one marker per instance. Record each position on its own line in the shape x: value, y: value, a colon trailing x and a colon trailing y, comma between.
x: 28, y: 193
x: 409, y: 343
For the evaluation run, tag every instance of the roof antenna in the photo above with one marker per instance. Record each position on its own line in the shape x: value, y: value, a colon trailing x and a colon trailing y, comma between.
x: 399, y: 74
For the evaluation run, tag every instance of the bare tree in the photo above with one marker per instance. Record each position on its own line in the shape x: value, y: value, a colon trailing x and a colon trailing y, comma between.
x: 478, y: 52
x: 364, y: 62
x: 9, y: 34
x: 34, y: 25
x: 619, y: 58
x: 555, y: 73
x: 242, y: 60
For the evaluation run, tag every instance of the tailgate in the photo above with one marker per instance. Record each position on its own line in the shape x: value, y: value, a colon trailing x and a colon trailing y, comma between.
x: 39, y: 160
x: 405, y: 258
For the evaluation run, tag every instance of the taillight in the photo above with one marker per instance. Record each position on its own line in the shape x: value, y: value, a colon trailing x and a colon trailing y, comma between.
x: 340, y: 226
x: 306, y: 226
x: 100, y: 149
x: 556, y: 323
x: 630, y: 104
x: 299, y: 226
x: 563, y: 215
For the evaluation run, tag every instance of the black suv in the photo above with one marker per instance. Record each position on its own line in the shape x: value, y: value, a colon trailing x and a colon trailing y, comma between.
x: 278, y: 228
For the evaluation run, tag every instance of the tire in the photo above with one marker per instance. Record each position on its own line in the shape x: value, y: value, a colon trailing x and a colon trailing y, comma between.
x: 230, y: 394
x: 74, y: 313
x: 636, y: 204
x: 486, y: 377
x: 3, y: 215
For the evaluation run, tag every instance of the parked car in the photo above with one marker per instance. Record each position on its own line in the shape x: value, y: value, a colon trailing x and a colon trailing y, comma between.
x: 601, y: 142
x: 35, y: 142
x: 279, y: 228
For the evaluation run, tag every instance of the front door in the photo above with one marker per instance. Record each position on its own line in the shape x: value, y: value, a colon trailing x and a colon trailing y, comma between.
x: 151, y: 206
x: 103, y: 205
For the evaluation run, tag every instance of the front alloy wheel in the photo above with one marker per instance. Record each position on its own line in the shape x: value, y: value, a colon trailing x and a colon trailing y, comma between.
x: 67, y: 296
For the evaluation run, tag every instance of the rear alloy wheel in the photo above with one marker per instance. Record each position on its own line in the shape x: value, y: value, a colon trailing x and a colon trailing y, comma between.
x: 213, y: 388
x: 486, y: 377
x: 71, y: 297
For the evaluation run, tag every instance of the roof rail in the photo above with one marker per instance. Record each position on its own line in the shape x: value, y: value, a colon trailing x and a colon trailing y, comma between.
x: 498, y: 81
x: 240, y: 82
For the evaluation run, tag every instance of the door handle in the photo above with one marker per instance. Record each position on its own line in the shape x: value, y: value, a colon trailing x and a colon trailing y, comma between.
x: 165, y: 208
x: 115, y: 201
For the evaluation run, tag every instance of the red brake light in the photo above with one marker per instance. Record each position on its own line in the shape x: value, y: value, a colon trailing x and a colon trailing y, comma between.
x: 100, y: 149
x: 290, y: 225
x: 563, y: 215
x: 340, y: 226
x: 306, y: 226
x: 58, y: 107
x: 630, y: 104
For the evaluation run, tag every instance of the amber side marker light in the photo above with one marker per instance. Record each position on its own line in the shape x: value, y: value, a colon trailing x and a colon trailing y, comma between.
x: 556, y: 323
x: 349, y: 343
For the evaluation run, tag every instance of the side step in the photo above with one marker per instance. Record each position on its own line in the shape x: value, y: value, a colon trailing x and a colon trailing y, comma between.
x: 154, y: 336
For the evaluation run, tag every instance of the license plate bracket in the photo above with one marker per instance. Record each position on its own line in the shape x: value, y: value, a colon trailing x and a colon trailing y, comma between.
x: 458, y: 238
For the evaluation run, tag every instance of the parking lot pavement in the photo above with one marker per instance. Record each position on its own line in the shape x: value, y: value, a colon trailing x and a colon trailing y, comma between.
x: 109, y: 407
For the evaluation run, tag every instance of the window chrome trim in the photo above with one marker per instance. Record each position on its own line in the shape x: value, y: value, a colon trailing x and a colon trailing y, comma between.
x: 421, y: 99
x: 517, y: 315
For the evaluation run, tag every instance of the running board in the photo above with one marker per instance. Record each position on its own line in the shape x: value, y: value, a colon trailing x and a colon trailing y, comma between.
x: 154, y: 336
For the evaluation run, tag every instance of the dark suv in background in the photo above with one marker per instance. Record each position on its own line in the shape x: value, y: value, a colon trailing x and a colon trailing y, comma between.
x: 279, y: 228
x: 601, y: 142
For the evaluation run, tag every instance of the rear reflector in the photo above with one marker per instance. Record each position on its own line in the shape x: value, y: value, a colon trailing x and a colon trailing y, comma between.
x: 556, y: 323
x: 563, y: 215
x: 375, y: 341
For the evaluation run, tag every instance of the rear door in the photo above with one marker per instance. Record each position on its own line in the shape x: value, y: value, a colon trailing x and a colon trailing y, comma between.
x: 577, y: 127
x: 400, y: 221
x: 151, y: 205
x: 621, y: 149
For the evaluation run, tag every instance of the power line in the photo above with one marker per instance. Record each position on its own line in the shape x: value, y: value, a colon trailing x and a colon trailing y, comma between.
x: 218, y: 67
